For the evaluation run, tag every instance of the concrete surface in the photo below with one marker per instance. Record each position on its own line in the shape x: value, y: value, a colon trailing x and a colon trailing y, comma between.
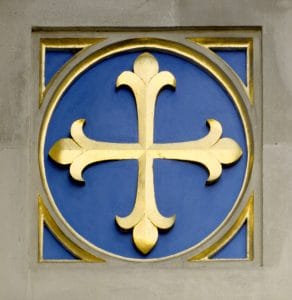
x: 20, y: 277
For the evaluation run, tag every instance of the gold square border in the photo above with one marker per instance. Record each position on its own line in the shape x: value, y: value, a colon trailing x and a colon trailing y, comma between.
x: 247, y: 214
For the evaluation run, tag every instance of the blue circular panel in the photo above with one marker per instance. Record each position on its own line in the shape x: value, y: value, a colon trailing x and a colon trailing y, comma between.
x: 110, y: 187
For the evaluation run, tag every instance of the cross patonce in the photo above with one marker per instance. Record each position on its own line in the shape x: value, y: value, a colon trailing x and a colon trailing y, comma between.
x: 210, y: 151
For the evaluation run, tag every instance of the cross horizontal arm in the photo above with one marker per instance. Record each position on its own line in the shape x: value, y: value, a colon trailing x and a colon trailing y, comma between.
x: 80, y: 151
x: 93, y: 156
x: 210, y: 151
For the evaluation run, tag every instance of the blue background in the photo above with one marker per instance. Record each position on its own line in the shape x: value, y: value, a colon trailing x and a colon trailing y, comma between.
x: 180, y: 188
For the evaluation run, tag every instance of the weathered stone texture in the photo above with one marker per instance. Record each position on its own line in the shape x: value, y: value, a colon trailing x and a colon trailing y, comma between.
x: 20, y: 276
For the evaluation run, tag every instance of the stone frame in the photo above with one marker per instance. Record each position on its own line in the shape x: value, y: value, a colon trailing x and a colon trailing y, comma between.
x: 180, y: 35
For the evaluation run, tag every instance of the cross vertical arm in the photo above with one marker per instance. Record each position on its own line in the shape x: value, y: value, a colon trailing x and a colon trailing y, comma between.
x: 146, y: 83
x: 145, y: 218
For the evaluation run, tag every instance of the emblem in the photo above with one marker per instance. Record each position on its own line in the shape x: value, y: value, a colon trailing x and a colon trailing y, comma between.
x: 210, y: 151
x: 142, y: 223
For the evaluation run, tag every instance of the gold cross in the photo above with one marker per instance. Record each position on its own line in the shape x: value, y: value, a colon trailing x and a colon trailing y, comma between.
x: 210, y: 151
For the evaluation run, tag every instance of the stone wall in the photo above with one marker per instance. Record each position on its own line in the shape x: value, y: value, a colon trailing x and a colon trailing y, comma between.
x: 20, y: 275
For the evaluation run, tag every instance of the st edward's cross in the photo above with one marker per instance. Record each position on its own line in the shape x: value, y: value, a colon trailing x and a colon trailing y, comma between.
x: 211, y: 151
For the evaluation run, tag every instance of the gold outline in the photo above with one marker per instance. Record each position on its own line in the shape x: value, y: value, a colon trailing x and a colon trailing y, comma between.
x: 80, y: 254
x: 234, y: 43
x: 59, y: 43
x: 138, y: 44
x: 246, y: 215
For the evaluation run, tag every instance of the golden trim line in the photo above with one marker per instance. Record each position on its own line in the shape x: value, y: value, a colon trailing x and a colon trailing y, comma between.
x: 247, y: 215
x: 231, y: 44
x: 80, y: 254
x: 59, y: 44
x: 145, y: 82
